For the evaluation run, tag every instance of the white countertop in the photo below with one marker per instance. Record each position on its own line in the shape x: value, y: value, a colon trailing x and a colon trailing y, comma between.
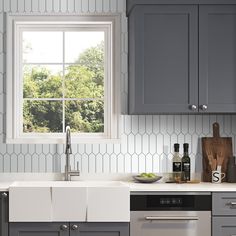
x: 200, y: 187
x: 9, y: 179
x: 4, y: 186
x: 156, y: 187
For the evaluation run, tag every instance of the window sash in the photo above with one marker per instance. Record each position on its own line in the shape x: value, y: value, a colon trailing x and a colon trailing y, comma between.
x: 21, y: 28
x: 111, y: 23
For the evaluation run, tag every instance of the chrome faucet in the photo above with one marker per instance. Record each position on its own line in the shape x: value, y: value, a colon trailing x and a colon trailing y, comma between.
x: 68, y: 151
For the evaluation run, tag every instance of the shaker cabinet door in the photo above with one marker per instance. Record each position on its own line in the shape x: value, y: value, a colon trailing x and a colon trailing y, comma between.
x: 223, y: 226
x: 39, y: 229
x: 217, y: 57
x: 99, y: 229
x: 3, y: 213
x: 163, y: 59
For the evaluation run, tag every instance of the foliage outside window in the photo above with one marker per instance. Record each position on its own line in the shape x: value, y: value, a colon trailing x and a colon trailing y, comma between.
x: 63, y: 75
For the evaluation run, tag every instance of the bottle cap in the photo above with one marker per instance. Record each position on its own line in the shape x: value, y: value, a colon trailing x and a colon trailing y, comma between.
x: 186, y: 146
x: 176, y: 147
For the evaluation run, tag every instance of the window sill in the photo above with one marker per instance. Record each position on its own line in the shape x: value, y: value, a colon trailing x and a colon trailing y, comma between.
x: 61, y: 140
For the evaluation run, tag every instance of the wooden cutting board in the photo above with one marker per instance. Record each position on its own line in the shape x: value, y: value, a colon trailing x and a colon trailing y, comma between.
x: 216, y: 150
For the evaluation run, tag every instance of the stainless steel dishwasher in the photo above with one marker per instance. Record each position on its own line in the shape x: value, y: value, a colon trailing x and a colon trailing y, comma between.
x: 170, y: 214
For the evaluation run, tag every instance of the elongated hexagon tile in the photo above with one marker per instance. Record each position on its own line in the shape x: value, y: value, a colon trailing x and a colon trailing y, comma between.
x: 6, y: 5
x: 1, y: 163
x: 135, y: 163
x: 85, y: 163
x: 49, y: 163
x: 156, y: 124
x: 7, y: 163
x: 120, y: 163
x: 160, y: 143
x: 149, y: 163
x: 156, y: 163
x: 106, y: 5
x: 99, y: 6
x: 106, y: 164
x: 177, y: 124
x: 113, y: 160
x: 227, y: 125
x: 142, y: 124
x: 42, y: 163
x: 99, y: 163
x: 127, y: 163
x: 93, y: 163
x: 124, y: 143
x: 148, y: 124
x: 146, y: 144
x: 152, y: 144
x: 131, y: 144
x: 184, y: 124
x: 141, y: 163
x: 134, y: 124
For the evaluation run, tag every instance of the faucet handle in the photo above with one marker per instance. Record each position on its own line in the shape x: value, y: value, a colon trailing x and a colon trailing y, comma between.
x: 77, y: 165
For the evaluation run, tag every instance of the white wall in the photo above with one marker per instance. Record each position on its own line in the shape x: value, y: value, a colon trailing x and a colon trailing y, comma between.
x: 147, y: 141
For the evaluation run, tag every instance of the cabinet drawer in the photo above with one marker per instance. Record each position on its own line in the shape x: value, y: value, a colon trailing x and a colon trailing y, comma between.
x: 224, y: 226
x: 224, y: 203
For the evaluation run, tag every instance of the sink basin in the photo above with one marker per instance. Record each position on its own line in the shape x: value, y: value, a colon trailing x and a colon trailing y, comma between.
x: 94, y: 201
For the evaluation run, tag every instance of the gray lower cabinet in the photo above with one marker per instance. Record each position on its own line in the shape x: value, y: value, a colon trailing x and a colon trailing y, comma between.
x: 100, y: 229
x: 4, y: 213
x: 224, y: 214
x: 182, y: 57
x: 69, y: 229
x: 224, y: 226
x: 38, y: 229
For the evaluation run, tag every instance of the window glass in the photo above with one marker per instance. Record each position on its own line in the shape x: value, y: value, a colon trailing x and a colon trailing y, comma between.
x: 63, y: 81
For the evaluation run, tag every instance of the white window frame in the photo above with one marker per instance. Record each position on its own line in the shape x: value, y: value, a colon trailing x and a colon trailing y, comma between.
x: 110, y: 24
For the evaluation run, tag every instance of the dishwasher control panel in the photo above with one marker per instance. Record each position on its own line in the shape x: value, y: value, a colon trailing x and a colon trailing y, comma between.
x: 180, y: 202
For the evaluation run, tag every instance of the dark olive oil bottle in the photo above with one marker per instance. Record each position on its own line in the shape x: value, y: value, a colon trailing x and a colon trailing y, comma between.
x: 186, y: 172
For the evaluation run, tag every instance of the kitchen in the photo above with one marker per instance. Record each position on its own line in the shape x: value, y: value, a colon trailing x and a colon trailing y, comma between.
x: 147, y: 138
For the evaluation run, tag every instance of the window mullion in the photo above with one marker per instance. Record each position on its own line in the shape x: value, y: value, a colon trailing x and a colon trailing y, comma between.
x: 63, y: 84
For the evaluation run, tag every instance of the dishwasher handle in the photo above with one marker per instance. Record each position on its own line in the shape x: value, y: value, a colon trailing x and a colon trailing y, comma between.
x: 171, y: 218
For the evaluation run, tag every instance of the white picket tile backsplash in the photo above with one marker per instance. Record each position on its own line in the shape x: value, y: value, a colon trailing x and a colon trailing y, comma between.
x: 146, y: 141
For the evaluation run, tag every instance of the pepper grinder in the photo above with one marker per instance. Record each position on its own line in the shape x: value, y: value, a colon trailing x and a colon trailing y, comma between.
x: 231, y: 170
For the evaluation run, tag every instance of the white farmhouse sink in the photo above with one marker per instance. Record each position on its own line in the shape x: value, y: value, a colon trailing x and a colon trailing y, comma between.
x: 69, y: 202
x: 29, y: 203
x: 94, y: 201
x: 108, y: 202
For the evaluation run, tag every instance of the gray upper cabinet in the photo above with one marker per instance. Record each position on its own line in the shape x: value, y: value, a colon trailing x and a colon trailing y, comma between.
x: 217, y: 57
x: 3, y: 213
x: 181, y: 57
x: 163, y: 58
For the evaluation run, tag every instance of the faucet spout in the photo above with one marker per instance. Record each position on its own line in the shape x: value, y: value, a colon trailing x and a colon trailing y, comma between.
x: 68, y: 151
x: 68, y: 141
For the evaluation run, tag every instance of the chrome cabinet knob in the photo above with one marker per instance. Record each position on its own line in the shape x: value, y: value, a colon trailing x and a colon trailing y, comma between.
x: 74, y: 227
x: 193, y: 107
x: 64, y: 227
x: 203, y: 107
x: 4, y: 195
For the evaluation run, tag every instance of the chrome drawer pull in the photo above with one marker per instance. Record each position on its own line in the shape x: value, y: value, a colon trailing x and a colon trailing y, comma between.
x: 233, y: 204
x: 171, y: 218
